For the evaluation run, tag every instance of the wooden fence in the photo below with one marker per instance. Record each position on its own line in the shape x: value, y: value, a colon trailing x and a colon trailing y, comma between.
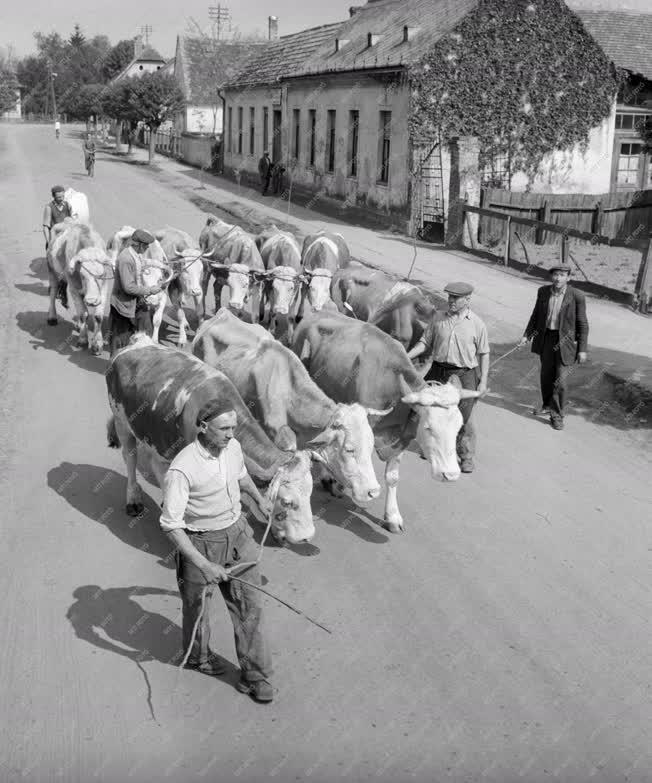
x: 618, y: 216
x: 200, y: 151
x: 621, y: 265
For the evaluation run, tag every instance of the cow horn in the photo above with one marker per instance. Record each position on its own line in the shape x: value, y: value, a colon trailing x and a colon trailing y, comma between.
x: 468, y: 394
x: 211, y: 253
x: 177, y: 251
x: 405, y: 388
x: 217, y: 265
x: 374, y: 412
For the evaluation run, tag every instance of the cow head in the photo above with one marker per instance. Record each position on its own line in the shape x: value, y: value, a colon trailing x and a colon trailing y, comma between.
x: 188, y: 265
x: 292, y: 514
x: 346, y: 447
x: 119, y: 241
x: 439, y: 422
x: 284, y: 282
x: 91, y: 272
x: 319, y: 287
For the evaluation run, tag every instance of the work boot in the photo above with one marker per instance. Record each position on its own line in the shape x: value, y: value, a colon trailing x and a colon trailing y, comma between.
x: 259, y: 690
x: 213, y: 666
x: 557, y: 424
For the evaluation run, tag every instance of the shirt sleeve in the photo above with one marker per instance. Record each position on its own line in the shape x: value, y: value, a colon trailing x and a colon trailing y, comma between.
x: 47, y: 216
x: 176, y: 491
x: 242, y: 473
x: 482, y: 340
x: 128, y: 279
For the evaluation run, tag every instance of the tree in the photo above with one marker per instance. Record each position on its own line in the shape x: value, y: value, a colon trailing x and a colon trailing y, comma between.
x: 84, y: 102
x: 32, y: 73
x: 8, y: 82
x: 77, y: 38
x: 117, y: 59
x: 154, y: 98
x: 116, y: 104
x: 523, y: 76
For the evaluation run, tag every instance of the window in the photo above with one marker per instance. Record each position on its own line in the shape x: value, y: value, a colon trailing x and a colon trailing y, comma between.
x: 627, y: 121
x: 629, y: 162
x: 312, y: 114
x: 240, y: 131
x: 229, y: 131
x: 252, y: 130
x: 296, y: 133
x: 330, y: 141
x: 265, y: 129
x: 384, y: 146
x: 352, y: 152
x: 496, y: 171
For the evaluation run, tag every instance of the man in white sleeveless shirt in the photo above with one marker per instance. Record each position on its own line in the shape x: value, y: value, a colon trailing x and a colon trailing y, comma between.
x: 203, y: 517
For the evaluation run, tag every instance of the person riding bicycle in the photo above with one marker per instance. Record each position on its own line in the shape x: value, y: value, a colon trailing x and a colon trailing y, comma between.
x: 89, y: 154
x: 57, y: 128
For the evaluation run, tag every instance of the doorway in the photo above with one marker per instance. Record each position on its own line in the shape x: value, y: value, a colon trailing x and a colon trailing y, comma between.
x: 276, y: 136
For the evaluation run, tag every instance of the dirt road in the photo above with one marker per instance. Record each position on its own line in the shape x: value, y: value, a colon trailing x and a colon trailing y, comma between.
x: 504, y: 637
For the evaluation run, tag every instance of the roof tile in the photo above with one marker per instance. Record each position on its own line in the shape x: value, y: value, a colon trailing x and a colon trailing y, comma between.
x: 625, y: 37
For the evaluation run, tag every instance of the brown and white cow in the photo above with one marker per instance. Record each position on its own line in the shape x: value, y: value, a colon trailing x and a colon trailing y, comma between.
x: 288, y: 403
x: 282, y: 258
x: 234, y: 261
x: 77, y: 255
x: 322, y: 255
x: 394, y: 307
x: 155, y: 394
x: 353, y: 361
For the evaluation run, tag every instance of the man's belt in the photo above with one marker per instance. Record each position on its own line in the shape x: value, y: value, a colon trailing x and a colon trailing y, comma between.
x: 447, y: 366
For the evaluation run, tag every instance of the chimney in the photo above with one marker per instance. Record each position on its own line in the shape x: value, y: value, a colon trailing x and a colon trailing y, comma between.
x: 340, y: 43
x: 138, y: 47
x: 272, y: 23
x: 409, y: 33
x: 353, y: 10
x: 372, y: 39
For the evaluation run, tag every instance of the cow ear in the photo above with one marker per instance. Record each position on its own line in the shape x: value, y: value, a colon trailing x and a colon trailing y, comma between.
x: 320, y: 440
x: 306, y: 351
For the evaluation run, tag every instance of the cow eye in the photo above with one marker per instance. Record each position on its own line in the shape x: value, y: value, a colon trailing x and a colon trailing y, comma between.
x: 349, y: 450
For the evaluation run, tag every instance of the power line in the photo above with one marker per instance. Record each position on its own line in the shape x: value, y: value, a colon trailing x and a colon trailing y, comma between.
x: 221, y: 18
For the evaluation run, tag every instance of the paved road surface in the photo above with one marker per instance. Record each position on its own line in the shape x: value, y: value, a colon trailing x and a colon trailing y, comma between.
x: 504, y: 637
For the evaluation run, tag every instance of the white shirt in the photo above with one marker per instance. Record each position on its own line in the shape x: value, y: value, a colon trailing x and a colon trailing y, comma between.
x: 201, y: 491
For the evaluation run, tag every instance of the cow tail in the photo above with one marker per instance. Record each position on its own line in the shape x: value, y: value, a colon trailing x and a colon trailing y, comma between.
x: 112, y: 438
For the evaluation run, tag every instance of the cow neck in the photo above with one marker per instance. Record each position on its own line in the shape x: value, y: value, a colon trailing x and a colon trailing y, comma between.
x: 310, y: 410
x: 263, y: 458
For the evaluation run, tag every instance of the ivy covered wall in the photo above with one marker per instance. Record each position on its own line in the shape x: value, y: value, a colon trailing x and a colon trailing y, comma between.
x: 522, y: 75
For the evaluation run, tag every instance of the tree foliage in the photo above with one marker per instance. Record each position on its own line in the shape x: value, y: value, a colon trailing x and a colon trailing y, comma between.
x: 8, y: 82
x: 154, y: 98
x: 521, y: 75
x: 82, y: 103
x: 118, y: 57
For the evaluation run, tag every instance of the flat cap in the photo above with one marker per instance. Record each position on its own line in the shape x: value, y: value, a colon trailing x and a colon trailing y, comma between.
x: 561, y: 268
x: 140, y: 235
x: 213, y: 408
x: 58, y: 189
x: 459, y: 289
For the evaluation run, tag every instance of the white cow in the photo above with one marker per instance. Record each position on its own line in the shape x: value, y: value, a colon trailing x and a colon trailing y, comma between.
x: 79, y: 205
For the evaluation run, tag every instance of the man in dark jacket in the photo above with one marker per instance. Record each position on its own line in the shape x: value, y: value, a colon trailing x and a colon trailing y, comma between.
x: 265, y: 171
x: 559, y: 331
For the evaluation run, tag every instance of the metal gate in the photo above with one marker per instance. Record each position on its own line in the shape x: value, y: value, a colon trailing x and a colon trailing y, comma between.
x: 429, y: 205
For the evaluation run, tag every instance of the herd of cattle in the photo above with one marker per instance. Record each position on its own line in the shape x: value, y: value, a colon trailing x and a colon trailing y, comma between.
x: 325, y: 385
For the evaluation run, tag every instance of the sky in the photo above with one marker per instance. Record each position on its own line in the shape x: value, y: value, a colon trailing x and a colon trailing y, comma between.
x: 123, y: 18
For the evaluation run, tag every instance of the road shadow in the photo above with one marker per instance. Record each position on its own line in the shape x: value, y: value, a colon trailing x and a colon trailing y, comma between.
x: 39, y: 269
x: 613, y: 388
x: 344, y: 514
x: 33, y: 288
x: 133, y: 632
x: 100, y: 494
x: 60, y: 339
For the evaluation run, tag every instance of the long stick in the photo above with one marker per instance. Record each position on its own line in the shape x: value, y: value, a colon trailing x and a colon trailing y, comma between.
x: 281, y: 601
x: 500, y: 358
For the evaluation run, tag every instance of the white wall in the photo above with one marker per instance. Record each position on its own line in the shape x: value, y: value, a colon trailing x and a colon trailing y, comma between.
x: 574, y: 171
x: 138, y: 69
x: 200, y: 119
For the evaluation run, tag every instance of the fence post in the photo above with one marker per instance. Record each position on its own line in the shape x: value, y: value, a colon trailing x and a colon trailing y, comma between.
x: 564, y: 248
x: 483, y: 201
x: 640, y: 291
x: 544, y: 216
x: 508, y: 233
x: 596, y: 222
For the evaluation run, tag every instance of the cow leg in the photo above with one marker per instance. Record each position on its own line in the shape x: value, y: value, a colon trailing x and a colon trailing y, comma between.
x: 79, y: 316
x: 96, y: 341
x: 183, y: 325
x: 206, y: 278
x: 53, y: 285
x: 129, y: 444
x: 218, y: 285
x: 393, y: 518
x: 157, y: 318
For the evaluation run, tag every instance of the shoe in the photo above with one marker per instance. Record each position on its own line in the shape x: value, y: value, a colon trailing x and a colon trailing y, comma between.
x: 467, y: 466
x: 541, y: 411
x: 213, y: 666
x: 259, y: 690
x: 557, y: 424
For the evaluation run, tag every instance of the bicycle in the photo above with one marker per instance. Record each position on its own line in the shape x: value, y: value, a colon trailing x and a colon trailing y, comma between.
x: 90, y: 164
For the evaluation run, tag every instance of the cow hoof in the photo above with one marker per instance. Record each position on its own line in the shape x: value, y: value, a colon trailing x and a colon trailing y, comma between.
x: 135, y: 509
x: 52, y: 321
x: 394, y: 527
x: 96, y: 350
x: 82, y: 343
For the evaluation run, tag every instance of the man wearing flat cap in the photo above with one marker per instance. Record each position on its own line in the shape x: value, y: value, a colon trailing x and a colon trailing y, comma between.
x: 129, y: 312
x: 456, y: 342
x: 559, y: 331
x: 202, y: 516
x: 56, y: 211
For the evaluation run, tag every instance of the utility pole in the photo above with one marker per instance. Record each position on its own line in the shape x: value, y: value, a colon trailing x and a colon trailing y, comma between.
x: 54, y: 97
x: 221, y: 17
x: 146, y: 31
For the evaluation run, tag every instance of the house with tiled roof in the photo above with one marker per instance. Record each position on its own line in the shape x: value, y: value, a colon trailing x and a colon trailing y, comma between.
x: 626, y: 39
x: 202, y: 65
x: 331, y: 104
x: 145, y: 60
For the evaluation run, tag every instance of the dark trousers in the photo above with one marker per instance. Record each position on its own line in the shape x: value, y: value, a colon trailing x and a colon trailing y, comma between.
x: 466, y: 437
x: 266, y: 180
x: 226, y: 547
x: 553, y: 375
x: 121, y: 329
